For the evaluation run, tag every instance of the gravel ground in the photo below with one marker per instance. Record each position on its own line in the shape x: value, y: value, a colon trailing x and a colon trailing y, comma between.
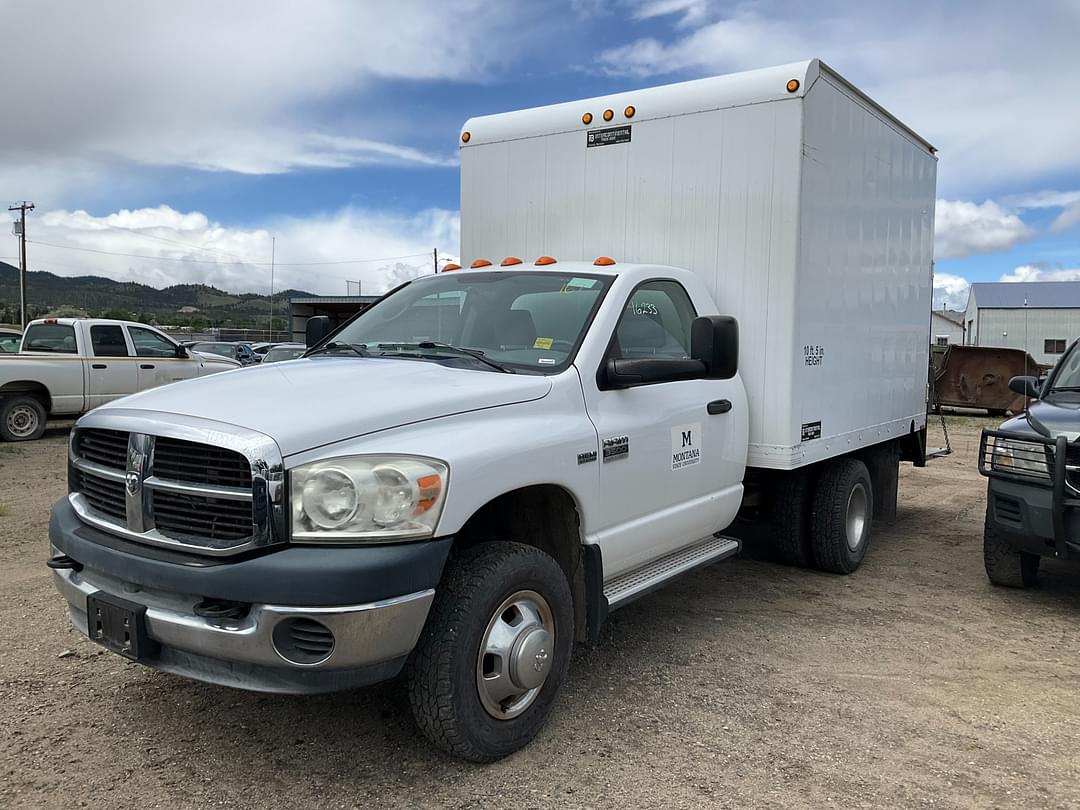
x: 748, y: 684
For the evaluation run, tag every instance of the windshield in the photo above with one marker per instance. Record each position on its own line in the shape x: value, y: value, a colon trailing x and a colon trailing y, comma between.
x: 527, y: 321
x: 1067, y: 373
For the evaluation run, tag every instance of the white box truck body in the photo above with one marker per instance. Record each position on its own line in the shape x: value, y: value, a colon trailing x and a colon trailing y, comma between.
x: 809, y: 215
x: 464, y: 479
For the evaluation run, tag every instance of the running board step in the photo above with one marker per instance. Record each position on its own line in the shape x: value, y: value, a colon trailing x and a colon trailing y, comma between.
x: 640, y: 581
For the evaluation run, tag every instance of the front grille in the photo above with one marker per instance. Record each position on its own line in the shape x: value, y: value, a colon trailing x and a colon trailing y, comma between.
x: 103, y: 495
x: 197, y: 495
x: 185, y: 516
x: 178, y: 460
x: 105, y: 447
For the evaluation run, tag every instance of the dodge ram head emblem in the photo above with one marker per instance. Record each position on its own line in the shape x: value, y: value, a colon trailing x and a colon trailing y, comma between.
x: 133, y: 482
x: 541, y: 660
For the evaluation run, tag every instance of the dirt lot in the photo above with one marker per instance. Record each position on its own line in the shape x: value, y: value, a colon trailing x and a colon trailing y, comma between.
x: 911, y: 683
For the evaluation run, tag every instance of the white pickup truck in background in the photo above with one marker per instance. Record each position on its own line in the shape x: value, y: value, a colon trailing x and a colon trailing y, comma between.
x: 68, y: 366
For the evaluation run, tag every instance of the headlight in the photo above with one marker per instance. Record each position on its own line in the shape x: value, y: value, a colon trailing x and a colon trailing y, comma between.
x: 1021, y: 457
x: 358, y: 498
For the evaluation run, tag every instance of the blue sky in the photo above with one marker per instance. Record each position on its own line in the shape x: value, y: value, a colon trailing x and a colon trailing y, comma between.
x: 186, y: 137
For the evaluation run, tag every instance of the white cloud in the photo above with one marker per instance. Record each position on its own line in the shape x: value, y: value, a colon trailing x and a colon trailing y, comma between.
x: 246, y: 86
x: 950, y: 291
x: 162, y: 246
x: 965, y: 228
x: 1030, y: 272
x: 949, y: 70
x: 1067, y: 219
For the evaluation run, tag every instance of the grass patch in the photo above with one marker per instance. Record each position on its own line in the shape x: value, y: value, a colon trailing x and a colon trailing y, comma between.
x: 11, y: 449
x: 5, y: 510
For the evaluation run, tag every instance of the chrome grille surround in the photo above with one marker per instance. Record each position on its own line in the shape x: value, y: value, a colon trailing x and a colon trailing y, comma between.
x: 266, y: 493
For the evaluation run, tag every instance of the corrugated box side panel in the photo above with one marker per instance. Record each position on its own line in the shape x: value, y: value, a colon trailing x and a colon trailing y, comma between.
x: 714, y: 192
x: 864, y: 278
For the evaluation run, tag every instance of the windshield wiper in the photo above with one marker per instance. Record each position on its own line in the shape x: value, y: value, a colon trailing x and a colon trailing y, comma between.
x: 475, y: 354
x: 1057, y: 388
x: 356, y: 348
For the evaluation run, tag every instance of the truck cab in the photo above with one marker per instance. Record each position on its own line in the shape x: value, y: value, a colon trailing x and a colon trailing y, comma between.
x: 1032, y: 465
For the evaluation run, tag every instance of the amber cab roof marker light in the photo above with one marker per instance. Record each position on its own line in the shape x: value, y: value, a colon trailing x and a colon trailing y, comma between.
x: 609, y: 114
x: 604, y: 261
x: 465, y: 136
x: 629, y: 111
x: 509, y: 261
x: 586, y: 119
x: 480, y: 263
x: 793, y: 85
x: 450, y: 267
x: 543, y: 260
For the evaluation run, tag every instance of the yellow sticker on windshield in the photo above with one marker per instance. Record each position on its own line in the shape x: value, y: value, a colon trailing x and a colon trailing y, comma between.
x: 543, y: 343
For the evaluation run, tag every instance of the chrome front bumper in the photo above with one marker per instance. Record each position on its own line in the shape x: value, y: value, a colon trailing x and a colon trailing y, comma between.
x: 371, y: 640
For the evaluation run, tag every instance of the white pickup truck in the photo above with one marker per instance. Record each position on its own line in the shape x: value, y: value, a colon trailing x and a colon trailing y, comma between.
x: 68, y: 366
x: 725, y: 311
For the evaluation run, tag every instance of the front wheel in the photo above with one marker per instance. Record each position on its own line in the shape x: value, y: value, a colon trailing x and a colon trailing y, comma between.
x: 22, y: 419
x: 489, y: 664
x: 1004, y: 564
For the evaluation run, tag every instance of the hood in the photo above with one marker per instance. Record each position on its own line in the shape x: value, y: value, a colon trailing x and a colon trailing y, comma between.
x: 306, y: 403
x: 1058, y: 418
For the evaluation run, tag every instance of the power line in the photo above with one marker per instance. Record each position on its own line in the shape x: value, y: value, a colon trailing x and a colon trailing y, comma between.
x: 175, y: 242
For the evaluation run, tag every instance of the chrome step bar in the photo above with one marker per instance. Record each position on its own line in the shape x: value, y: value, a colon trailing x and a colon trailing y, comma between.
x: 640, y: 581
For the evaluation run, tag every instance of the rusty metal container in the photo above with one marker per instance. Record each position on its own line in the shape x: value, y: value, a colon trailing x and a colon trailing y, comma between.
x: 978, y: 377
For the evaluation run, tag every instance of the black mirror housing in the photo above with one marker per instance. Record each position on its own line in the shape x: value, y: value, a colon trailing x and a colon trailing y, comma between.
x: 714, y: 340
x: 318, y: 327
x: 1025, y: 386
x: 631, y: 371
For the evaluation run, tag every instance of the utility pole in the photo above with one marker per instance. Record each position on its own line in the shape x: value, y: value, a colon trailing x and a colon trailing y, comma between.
x: 435, y: 253
x: 22, y: 209
x: 273, y: 249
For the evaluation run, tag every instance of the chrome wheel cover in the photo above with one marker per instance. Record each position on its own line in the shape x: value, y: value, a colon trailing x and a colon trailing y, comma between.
x: 516, y: 654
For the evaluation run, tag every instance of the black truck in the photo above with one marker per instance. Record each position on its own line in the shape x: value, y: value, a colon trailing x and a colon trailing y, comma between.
x: 1033, y: 465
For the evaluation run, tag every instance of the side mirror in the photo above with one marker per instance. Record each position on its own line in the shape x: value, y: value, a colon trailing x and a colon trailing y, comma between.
x: 182, y: 352
x: 318, y: 327
x: 714, y: 340
x: 1025, y: 386
x: 625, y: 372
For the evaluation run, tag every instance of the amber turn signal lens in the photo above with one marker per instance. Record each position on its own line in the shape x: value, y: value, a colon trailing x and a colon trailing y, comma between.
x: 450, y: 267
x: 480, y: 263
x: 509, y: 261
x: 629, y: 112
x: 604, y: 261
x: 586, y: 119
x: 465, y: 137
x: 544, y: 260
x: 609, y: 114
x: 792, y: 85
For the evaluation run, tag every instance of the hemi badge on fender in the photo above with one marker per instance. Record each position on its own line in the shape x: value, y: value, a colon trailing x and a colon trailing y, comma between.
x: 585, y: 458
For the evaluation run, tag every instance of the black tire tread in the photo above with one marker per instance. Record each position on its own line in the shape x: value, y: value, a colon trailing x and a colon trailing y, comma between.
x: 790, y: 520
x: 429, y: 677
x: 1005, y: 565
x: 829, y: 515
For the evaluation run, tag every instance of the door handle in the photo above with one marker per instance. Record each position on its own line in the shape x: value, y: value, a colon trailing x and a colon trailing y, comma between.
x: 718, y: 406
x: 98, y: 365
x: 146, y: 366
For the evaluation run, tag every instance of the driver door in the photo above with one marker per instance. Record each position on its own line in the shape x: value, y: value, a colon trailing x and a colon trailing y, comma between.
x: 670, y: 472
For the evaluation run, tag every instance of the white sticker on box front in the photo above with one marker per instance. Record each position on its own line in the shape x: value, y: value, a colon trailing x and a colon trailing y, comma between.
x: 685, y: 446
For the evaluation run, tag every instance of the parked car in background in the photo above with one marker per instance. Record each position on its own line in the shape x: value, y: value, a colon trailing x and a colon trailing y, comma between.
x: 240, y: 352
x: 10, y: 340
x: 284, y: 351
x: 68, y: 366
x: 260, y: 350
